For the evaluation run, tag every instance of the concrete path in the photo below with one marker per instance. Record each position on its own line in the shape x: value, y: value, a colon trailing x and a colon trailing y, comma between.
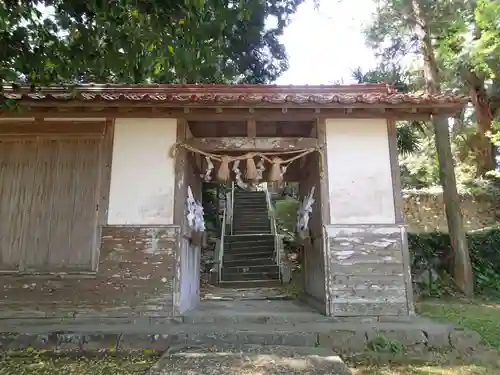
x: 278, y: 360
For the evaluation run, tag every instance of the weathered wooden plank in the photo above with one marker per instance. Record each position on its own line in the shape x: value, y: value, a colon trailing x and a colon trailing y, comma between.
x: 39, y: 189
x: 351, y: 257
x: 63, y: 196
x: 251, y: 144
x: 15, y: 172
x: 374, y: 293
x: 364, y: 307
x: 84, y: 223
x: 6, y: 172
x: 25, y: 182
x: 36, y: 252
x: 251, y: 128
x: 365, y: 280
x: 364, y: 269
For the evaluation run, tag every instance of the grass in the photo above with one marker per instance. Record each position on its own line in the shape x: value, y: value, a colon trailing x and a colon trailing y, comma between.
x: 481, y: 316
x: 49, y: 364
x: 478, y: 315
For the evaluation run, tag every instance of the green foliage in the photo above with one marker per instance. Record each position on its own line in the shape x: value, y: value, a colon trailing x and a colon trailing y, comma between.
x: 174, y: 41
x: 487, y: 47
x: 495, y: 136
x: 431, y: 255
x: 481, y: 316
x: 382, y: 344
x: 286, y: 214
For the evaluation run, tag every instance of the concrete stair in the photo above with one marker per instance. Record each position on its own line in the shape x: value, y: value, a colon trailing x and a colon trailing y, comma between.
x: 249, y: 252
x: 250, y: 213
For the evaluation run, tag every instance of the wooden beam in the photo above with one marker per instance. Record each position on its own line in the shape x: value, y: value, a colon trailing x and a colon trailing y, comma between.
x: 228, y: 114
x: 251, y: 128
x: 52, y: 127
x: 251, y: 144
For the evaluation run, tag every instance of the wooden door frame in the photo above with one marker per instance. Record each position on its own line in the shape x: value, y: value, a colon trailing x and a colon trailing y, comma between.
x: 103, y: 189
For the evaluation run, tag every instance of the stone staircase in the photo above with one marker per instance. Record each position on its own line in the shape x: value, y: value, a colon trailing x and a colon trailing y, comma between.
x: 249, y: 251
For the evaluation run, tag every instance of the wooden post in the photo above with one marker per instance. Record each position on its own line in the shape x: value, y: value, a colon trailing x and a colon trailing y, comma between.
x: 251, y: 128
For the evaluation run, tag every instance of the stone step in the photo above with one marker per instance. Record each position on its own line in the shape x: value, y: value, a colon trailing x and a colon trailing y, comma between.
x: 250, y: 231
x: 225, y: 359
x: 251, y: 219
x: 266, y: 228
x: 250, y: 267
x: 253, y: 228
x: 257, y: 199
x: 242, y: 247
x: 252, y: 223
x: 246, y: 256
x: 248, y: 202
x: 262, y: 204
x: 250, y: 276
x: 251, y: 209
x: 250, y: 194
x: 257, y: 242
x: 250, y: 215
x: 245, y: 253
x: 239, y: 238
x: 248, y: 244
x: 244, y: 262
x: 250, y: 284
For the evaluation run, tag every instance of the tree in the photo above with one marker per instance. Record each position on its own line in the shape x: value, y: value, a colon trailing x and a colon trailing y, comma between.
x: 465, y: 40
x: 169, y: 41
x: 406, y: 26
x: 462, y: 263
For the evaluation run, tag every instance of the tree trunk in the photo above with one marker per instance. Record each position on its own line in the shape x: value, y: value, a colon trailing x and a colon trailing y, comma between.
x: 484, y: 117
x: 462, y: 267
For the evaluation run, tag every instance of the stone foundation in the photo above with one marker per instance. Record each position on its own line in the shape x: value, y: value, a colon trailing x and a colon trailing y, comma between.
x: 368, y: 271
x: 135, y: 278
x: 343, y: 336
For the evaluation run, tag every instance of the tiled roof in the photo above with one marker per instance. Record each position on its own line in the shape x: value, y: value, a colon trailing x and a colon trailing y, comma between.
x: 238, y: 95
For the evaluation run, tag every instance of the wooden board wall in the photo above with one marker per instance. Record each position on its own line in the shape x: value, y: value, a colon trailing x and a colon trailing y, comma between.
x: 49, y: 194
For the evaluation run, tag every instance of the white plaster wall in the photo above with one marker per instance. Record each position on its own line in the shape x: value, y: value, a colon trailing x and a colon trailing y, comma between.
x: 142, y: 172
x: 359, y: 172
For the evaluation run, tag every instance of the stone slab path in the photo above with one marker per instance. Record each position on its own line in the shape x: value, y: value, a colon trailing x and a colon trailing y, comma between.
x: 278, y: 360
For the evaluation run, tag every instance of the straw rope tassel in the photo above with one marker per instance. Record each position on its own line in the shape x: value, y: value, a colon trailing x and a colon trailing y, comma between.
x: 223, y: 174
x: 251, y: 173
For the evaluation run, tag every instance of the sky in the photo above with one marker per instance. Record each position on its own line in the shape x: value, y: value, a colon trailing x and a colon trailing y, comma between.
x: 325, y: 45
